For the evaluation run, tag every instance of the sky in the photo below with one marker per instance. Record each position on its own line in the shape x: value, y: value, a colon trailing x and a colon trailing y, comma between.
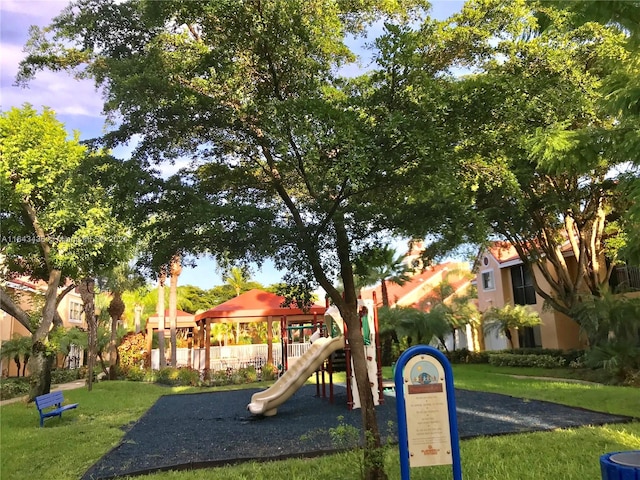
x: 79, y: 106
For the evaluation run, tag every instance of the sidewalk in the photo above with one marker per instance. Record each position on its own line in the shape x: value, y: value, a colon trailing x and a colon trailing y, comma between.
x: 551, y: 379
x: 54, y: 388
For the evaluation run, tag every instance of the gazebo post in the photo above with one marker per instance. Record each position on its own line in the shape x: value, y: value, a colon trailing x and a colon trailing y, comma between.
x: 270, y: 340
x: 378, y: 350
x: 285, y: 342
x: 149, y: 344
x: 207, y: 347
x: 347, y: 358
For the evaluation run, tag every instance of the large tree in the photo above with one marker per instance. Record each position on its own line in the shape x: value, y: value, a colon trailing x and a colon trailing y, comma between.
x: 620, y: 97
x: 291, y: 160
x: 59, y: 228
x: 532, y: 140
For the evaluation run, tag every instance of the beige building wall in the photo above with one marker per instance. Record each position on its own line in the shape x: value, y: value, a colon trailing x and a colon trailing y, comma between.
x: 69, y: 309
x: 556, y: 330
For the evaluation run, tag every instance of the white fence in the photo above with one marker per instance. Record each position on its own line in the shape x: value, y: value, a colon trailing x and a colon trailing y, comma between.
x: 233, y: 356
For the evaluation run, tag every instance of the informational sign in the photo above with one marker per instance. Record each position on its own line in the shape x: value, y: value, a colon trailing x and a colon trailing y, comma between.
x: 427, y: 423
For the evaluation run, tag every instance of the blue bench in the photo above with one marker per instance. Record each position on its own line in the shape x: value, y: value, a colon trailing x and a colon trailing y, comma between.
x: 52, y: 400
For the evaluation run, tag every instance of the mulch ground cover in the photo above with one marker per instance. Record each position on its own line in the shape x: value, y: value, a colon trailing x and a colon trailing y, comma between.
x: 212, y: 429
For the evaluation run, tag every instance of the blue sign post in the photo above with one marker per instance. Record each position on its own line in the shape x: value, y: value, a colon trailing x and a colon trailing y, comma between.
x: 426, y: 407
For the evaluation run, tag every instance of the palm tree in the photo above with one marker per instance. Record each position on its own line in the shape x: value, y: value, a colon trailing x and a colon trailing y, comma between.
x: 237, y: 279
x: 86, y: 288
x: 221, y: 332
x: 419, y: 326
x: 17, y: 348
x: 504, y: 319
x: 382, y: 265
x: 120, y: 279
x: 457, y: 309
x: 162, y: 278
x: 175, y: 269
x: 388, y: 322
x: 65, y: 339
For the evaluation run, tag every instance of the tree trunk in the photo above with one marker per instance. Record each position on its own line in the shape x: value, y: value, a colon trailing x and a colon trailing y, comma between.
x: 507, y: 333
x: 348, y: 306
x: 373, y: 452
x: 385, y: 293
x: 24, y: 365
x: 41, y: 361
x: 162, y: 359
x: 116, y: 309
x: 40, y: 365
x: 86, y: 290
x: 176, y: 269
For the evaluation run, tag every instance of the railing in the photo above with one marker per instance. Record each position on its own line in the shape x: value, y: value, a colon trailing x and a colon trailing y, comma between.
x: 232, y: 356
x: 297, y: 349
x: 625, y: 278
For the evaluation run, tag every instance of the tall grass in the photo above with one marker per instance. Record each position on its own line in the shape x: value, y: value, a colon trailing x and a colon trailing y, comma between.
x: 67, y: 447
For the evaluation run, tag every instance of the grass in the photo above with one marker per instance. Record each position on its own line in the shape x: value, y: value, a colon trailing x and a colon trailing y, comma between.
x: 66, y: 449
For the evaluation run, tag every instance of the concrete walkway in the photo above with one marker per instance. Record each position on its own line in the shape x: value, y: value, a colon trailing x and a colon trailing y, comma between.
x: 551, y: 379
x: 62, y: 386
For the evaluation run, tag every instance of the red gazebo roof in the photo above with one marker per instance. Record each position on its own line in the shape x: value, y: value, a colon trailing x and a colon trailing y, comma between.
x: 256, y: 303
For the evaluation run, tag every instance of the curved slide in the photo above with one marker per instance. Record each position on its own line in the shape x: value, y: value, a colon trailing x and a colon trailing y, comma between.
x: 266, y: 402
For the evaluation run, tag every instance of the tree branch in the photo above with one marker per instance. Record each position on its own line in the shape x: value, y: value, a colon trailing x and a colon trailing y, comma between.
x: 8, y: 305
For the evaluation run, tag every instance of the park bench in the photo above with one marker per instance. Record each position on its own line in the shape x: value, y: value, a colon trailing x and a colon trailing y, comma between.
x: 52, y: 400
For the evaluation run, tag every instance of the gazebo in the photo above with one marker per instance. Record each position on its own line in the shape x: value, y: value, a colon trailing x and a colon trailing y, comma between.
x: 253, y: 306
x: 184, y: 320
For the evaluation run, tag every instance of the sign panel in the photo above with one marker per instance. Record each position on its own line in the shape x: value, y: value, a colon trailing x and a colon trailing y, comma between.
x: 425, y: 401
x: 425, y: 398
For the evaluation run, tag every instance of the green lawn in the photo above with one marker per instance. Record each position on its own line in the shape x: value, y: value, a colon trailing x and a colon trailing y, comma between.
x: 66, y: 449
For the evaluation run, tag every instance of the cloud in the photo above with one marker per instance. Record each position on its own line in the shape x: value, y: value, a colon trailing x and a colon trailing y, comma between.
x: 57, y: 90
x: 43, y: 10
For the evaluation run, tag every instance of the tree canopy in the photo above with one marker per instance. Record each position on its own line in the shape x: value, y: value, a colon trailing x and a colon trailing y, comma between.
x: 59, y: 226
x: 293, y: 160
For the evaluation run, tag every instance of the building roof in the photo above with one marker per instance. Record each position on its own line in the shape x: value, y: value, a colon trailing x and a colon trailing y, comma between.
x: 417, y: 290
x: 256, y: 303
x: 503, y: 252
x: 506, y: 255
x: 183, y: 319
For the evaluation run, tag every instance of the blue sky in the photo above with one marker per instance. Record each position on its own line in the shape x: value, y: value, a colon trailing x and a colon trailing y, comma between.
x: 79, y: 106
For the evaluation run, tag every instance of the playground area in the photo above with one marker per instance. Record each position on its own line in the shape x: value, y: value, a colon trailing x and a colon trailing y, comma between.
x: 212, y: 429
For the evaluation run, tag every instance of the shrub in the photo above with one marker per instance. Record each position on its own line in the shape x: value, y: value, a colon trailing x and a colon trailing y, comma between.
x: 132, y: 350
x: 135, y: 375
x: 632, y: 379
x: 248, y: 374
x: 13, y: 387
x: 516, y: 360
x: 63, y: 375
x: 217, y: 378
x: 269, y: 372
x: 188, y: 376
x: 463, y: 355
x: 569, y: 356
x: 167, y: 376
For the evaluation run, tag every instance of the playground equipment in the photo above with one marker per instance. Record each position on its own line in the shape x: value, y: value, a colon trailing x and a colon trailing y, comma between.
x: 369, y: 320
x: 266, y: 402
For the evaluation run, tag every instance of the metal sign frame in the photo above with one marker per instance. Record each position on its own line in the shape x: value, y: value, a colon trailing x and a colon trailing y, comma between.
x: 403, y: 435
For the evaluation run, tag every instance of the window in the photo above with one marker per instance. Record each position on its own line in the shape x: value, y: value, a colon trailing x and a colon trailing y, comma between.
x: 529, y: 337
x: 625, y: 278
x: 488, y: 282
x: 522, y: 281
x: 75, y: 312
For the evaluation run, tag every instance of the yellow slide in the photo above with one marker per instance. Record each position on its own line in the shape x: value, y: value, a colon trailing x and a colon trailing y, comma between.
x: 266, y: 402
